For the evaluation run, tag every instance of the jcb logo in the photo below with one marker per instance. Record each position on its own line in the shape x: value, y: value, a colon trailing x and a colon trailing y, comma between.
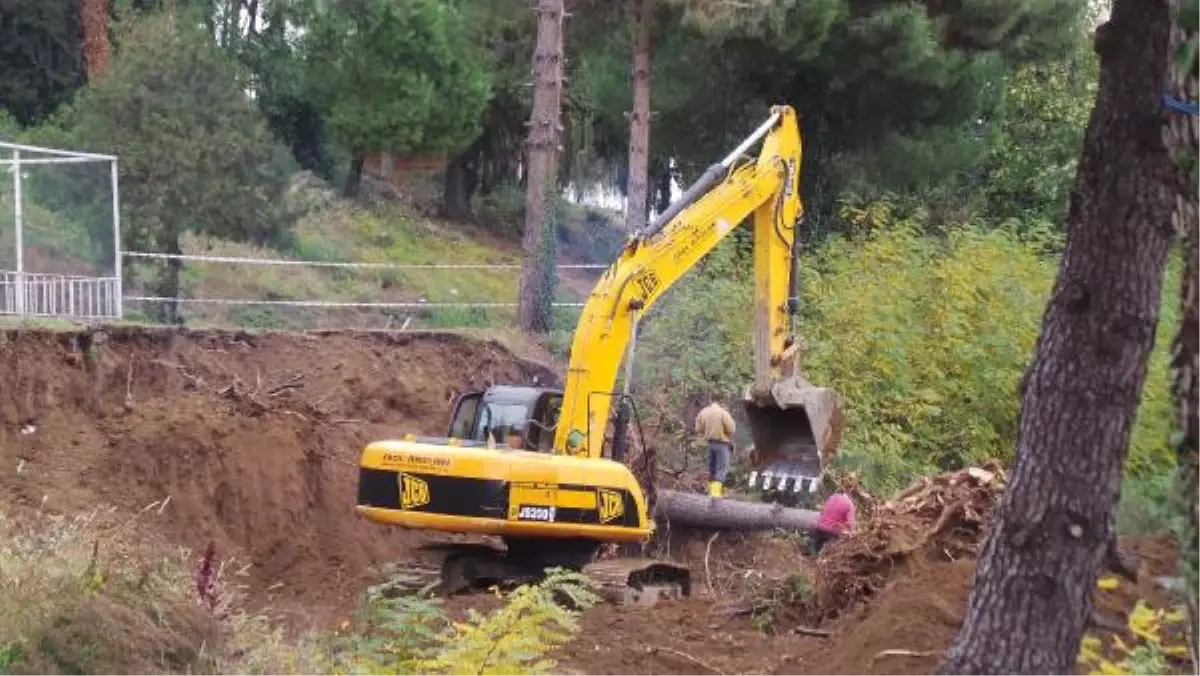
x: 610, y: 505
x: 647, y: 282
x: 414, y: 492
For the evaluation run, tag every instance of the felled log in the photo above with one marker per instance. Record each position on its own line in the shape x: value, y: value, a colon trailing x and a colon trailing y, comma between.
x: 700, y: 511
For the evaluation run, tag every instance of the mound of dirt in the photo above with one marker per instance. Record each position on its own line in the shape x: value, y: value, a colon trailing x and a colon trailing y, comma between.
x: 892, y: 597
x: 943, y: 517
x: 910, y: 623
x: 246, y: 441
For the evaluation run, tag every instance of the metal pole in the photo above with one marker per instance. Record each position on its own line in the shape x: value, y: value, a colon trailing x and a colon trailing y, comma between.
x: 116, y: 216
x: 17, y: 217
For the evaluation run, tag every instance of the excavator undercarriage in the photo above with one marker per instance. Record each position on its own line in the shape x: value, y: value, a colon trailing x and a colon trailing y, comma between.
x: 467, y: 567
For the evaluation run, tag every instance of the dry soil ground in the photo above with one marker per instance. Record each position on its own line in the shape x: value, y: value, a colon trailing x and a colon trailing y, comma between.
x: 254, y: 439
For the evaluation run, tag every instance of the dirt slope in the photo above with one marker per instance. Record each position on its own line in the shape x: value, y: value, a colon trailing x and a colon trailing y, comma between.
x: 254, y: 438
x: 901, y: 584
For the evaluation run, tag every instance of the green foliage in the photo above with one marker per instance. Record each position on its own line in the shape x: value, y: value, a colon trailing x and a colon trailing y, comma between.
x: 1157, y: 647
x: 283, y: 90
x: 83, y: 595
x: 926, y: 339
x: 1148, y: 504
x: 195, y: 155
x: 924, y: 336
x: 41, y: 49
x: 517, y: 637
x: 1039, y: 131
x: 396, y: 77
x: 413, y: 635
x: 88, y: 594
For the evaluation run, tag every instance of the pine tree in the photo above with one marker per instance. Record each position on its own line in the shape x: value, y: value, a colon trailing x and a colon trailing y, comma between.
x: 537, y: 272
x: 1034, y: 583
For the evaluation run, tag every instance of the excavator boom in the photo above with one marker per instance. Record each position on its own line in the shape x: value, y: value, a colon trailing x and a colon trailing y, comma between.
x: 789, y: 440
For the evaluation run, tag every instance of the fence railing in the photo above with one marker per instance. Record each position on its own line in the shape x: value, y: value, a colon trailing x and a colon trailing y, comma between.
x: 65, y: 296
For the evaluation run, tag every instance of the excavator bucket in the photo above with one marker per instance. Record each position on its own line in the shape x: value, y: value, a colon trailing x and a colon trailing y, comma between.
x: 796, y: 427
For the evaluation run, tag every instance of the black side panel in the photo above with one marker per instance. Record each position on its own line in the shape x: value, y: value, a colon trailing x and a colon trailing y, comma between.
x: 457, y: 496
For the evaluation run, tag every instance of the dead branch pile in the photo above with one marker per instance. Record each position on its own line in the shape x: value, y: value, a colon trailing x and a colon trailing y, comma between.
x: 944, y: 517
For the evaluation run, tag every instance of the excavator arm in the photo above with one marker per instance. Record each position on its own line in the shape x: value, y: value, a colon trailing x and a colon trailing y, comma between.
x: 652, y: 260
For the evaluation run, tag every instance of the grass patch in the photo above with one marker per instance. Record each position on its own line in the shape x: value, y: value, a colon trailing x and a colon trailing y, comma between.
x: 1149, y: 504
x: 92, y: 594
x: 81, y: 595
x: 337, y: 231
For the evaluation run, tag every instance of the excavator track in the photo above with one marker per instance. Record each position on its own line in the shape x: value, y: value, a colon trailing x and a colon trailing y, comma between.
x: 640, y: 581
x: 467, y: 567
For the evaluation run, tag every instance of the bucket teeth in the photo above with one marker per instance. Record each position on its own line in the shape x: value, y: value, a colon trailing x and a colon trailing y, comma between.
x: 784, y: 479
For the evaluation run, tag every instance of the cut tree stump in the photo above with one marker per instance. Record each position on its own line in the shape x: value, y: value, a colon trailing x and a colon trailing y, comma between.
x: 701, y: 511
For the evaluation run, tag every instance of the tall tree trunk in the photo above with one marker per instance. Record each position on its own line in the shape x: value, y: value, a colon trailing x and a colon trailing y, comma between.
x: 1034, y: 584
x: 169, y: 284
x: 638, y: 188
x: 97, y: 49
x: 460, y: 182
x: 542, y: 169
x: 354, y: 178
x: 1183, y: 141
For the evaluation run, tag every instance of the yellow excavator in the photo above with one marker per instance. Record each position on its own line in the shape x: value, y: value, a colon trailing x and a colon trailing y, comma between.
x: 531, y: 464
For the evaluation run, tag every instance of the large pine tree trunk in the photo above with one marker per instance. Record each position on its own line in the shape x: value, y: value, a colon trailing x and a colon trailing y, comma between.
x: 700, y: 511
x: 462, y: 180
x: 354, y: 176
x: 638, y: 188
x: 459, y: 187
x: 1183, y: 141
x: 1034, y: 584
x: 97, y: 49
x: 544, y: 126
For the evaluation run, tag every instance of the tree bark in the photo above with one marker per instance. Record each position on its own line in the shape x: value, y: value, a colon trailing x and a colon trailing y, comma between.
x: 354, y: 178
x: 638, y: 188
x: 542, y: 165
x: 1034, y: 584
x: 700, y: 511
x: 97, y: 48
x: 457, y: 191
x: 169, y: 284
x: 1182, y: 138
x: 461, y: 181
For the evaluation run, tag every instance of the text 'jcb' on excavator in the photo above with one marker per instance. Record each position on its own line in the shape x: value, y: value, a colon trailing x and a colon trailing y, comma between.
x: 531, y: 464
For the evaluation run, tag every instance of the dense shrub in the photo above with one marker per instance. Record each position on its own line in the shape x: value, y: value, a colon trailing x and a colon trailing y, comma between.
x: 925, y: 337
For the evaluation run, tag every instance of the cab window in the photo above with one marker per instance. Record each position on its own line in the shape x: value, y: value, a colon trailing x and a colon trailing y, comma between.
x: 462, y: 423
x: 505, y: 423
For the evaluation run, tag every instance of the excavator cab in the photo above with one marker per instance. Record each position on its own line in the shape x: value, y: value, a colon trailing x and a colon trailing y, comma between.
x: 521, y: 418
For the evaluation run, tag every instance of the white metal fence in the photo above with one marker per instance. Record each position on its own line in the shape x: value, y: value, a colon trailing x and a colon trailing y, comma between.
x: 32, y: 294
x: 100, y: 294
x: 29, y: 294
x: 334, y: 304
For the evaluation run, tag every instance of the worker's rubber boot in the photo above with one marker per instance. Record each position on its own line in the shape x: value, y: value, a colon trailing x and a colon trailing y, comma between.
x: 715, y: 489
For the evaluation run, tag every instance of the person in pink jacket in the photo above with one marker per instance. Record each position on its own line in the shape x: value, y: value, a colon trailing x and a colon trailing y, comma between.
x: 836, y: 520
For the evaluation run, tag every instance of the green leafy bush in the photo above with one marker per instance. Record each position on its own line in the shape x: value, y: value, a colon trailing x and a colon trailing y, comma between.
x: 411, y: 634
x: 88, y: 594
x: 925, y: 337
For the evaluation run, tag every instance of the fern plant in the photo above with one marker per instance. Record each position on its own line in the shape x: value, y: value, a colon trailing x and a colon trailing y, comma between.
x: 413, y: 634
x: 517, y: 637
